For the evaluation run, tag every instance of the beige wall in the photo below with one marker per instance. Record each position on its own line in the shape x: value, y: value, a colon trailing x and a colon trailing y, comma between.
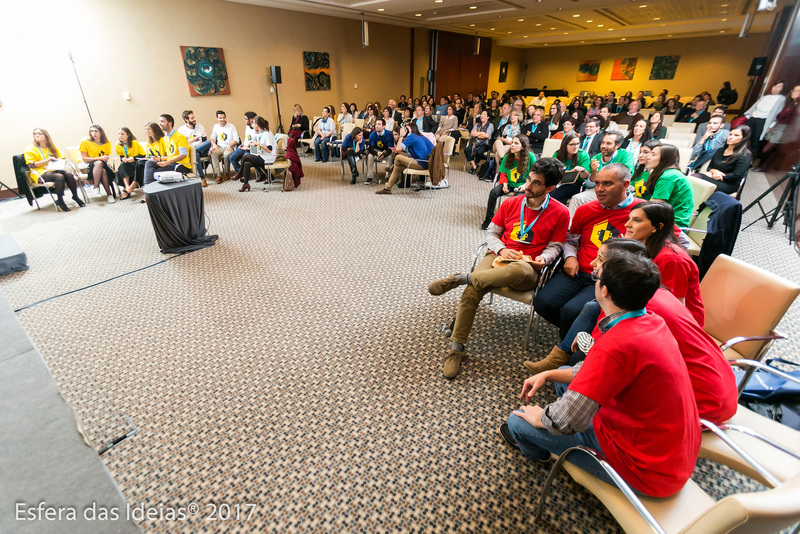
x: 422, y: 61
x: 135, y: 47
x: 515, y: 58
x: 705, y: 63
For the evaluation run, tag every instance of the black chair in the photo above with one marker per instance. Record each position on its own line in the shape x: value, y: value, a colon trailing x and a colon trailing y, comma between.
x: 34, y: 191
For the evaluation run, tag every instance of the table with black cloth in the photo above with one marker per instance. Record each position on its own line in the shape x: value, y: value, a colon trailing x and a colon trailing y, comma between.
x: 178, y: 216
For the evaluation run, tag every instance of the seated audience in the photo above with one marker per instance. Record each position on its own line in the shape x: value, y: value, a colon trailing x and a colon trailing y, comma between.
x: 641, y: 171
x: 379, y: 149
x: 43, y: 153
x: 718, y: 111
x: 595, y: 109
x: 658, y: 104
x: 698, y: 115
x: 195, y: 135
x: 96, y: 150
x: 263, y: 151
x: 713, y: 138
x: 354, y: 147
x: 653, y: 224
x: 561, y: 300
x: 369, y: 120
x: 536, y: 131
x: 608, y: 124
x: 224, y: 139
x: 592, y: 137
x: 637, y: 136
x: 539, y: 101
x: 554, y: 121
x: 659, y: 131
x: 129, y: 151
x: 510, y: 236
x: 344, y: 116
x: 505, y: 136
x: 324, y: 132
x: 629, y: 117
x: 610, y: 152
x: 567, y: 127
x: 177, y: 152
x: 672, y: 107
x: 513, y: 171
x: 727, y: 96
x: 729, y: 164
x: 574, y: 159
x: 299, y: 126
x: 609, y: 403
x: 240, y: 146
x: 441, y: 109
x: 418, y: 148
x: 388, y: 118
x: 448, y: 124
x: 478, y: 144
x: 425, y: 123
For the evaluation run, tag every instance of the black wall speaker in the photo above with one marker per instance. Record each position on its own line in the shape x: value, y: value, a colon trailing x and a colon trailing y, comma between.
x: 757, y: 66
x: 430, y: 75
x: 275, y: 74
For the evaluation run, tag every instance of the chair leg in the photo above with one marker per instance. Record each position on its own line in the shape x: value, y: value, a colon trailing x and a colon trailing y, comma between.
x: 491, y: 297
x: 536, y: 320
x: 528, y: 329
x: 447, y: 330
x: 53, y: 199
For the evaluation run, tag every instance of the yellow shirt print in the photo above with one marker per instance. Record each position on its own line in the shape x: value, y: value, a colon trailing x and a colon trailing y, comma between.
x: 514, y: 235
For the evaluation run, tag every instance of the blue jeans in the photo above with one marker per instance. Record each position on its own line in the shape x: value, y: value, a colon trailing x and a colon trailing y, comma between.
x: 201, y: 151
x: 538, y: 443
x: 585, y: 322
x: 321, y: 148
x: 561, y: 300
x: 236, y: 158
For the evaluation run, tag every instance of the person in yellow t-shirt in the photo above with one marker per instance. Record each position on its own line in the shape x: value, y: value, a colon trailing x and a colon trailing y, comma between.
x: 129, y: 151
x: 96, y: 150
x: 39, y: 156
x: 176, y: 157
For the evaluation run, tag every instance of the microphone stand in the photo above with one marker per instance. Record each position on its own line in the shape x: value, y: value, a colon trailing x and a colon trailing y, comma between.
x: 72, y: 60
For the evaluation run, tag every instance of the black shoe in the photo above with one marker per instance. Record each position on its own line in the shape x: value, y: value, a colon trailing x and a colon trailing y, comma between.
x: 317, y: 160
x: 61, y: 205
x: 507, y: 437
x: 368, y: 181
x: 473, y: 171
x: 353, y: 179
x: 79, y: 202
x: 485, y: 225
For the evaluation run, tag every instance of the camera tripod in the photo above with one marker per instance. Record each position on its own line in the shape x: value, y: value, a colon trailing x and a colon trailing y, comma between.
x: 787, y: 205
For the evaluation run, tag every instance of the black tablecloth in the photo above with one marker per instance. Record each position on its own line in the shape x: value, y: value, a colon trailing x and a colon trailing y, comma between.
x: 176, y: 211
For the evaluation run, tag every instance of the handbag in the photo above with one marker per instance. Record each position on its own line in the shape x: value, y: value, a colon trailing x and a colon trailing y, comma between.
x: 288, y: 181
x: 766, y: 387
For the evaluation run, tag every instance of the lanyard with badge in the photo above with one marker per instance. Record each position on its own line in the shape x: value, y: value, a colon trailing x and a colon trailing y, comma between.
x: 523, y: 230
x: 629, y: 315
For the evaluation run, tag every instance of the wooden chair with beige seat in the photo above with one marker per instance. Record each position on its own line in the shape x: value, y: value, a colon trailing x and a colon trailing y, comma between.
x: 669, y: 120
x: 676, y: 135
x: 679, y: 143
x: 690, y: 511
x: 683, y: 127
x: 550, y: 147
x: 774, y: 447
x: 280, y: 163
x: 525, y: 297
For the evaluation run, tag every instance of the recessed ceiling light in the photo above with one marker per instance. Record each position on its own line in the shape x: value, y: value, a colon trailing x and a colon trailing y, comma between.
x: 575, y: 16
x: 724, y: 20
x: 520, y: 20
x: 381, y: 9
x: 471, y: 25
x: 642, y: 5
x: 566, y: 33
x: 417, y: 14
x: 552, y: 28
x: 657, y: 18
x: 599, y: 25
x: 622, y: 39
x: 508, y: 32
x: 491, y: 29
x: 723, y: 5
x: 538, y: 24
x: 438, y: 1
x: 669, y: 36
x: 473, y: 7
x: 545, y: 44
x: 525, y: 36
x: 722, y: 31
x: 611, y: 29
x: 588, y: 21
x: 583, y: 42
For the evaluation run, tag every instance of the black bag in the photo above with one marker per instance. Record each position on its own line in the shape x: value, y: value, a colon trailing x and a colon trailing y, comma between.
x: 772, y: 396
x: 483, y: 168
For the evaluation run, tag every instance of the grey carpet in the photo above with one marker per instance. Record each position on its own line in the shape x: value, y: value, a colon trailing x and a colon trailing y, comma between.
x: 296, y: 364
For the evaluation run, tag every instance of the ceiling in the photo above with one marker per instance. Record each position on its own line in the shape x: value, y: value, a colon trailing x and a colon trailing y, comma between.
x: 532, y: 23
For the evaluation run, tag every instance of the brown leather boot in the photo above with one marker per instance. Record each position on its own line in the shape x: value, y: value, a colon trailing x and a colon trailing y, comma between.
x: 554, y: 360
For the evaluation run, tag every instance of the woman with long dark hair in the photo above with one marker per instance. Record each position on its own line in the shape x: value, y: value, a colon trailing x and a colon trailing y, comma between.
x: 96, y: 150
x: 574, y: 159
x: 512, y: 175
x: 657, y: 127
x: 39, y: 156
x: 667, y: 183
x: 729, y: 164
x: 653, y: 224
x: 596, y: 105
x: 554, y: 122
x: 263, y: 151
x: 641, y: 172
x: 671, y: 108
x: 638, y: 136
x: 129, y: 151
x: 658, y: 104
x: 479, y: 141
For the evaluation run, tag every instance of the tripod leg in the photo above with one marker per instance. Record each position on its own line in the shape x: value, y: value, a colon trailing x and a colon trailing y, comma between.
x: 779, y: 209
x: 791, y: 213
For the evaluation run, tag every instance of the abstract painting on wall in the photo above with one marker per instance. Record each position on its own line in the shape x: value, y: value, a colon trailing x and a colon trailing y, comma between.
x: 205, y: 71
x: 317, y: 68
x: 588, y: 70
x: 624, y: 68
x: 664, y: 67
x: 503, y: 72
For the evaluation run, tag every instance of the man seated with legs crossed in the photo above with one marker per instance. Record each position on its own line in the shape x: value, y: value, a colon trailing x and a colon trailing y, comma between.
x: 562, y: 299
x: 532, y: 224
x: 631, y: 400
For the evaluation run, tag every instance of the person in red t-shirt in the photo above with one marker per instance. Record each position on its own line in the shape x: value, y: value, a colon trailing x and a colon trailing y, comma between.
x: 652, y: 224
x: 609, y: 404
x: 532, y: 225
x: 561, y: 300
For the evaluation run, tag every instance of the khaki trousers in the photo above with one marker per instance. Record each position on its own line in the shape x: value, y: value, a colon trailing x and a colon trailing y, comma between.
x: 401, y: 163
x: 226, y: 163
x: 519, y: 276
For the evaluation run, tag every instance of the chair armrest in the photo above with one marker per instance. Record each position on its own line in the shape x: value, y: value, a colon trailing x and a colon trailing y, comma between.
x: 766, y: 368
x: 740, y: 451
x: 697, y: 230
x: 479, y: 252
x: 618, y: 481
x: 548, y: 271
x: 741, y: 339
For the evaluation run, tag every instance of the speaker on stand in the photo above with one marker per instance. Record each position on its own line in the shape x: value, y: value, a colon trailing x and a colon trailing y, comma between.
x: 757, y: 68
x: 275, y: 79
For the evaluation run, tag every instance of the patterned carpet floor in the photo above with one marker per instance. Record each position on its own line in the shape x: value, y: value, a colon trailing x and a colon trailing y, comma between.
x: 296, y: 364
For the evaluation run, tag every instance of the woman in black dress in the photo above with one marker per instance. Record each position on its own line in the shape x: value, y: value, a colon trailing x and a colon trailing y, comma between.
x: 730, y: 163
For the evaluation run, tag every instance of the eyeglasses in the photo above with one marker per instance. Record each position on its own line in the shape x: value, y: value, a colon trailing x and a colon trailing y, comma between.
x: 573, y: 144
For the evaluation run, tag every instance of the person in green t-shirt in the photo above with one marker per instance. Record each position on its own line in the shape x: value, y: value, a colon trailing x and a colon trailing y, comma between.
x: 512, y: 175
x: 667, y: 183
x: 642, y: 171
x: 574, y: 159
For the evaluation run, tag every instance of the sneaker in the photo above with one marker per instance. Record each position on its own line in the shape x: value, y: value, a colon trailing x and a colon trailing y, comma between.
x: 452, y: 365
x: 443, y: 285
x: 110, y: 199
x: 507, y: 436
x: 203, y: 182
x: 383, y: 191
x: 368, y: 181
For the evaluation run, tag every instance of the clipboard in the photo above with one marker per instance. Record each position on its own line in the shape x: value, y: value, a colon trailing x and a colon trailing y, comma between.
x: 570, y: 177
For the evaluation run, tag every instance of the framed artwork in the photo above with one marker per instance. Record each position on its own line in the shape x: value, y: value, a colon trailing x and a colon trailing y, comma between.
x: 664, y: 67
x: 588, y: 70
x: 317, y: 68
x: 503, y: 72
x: 205, y: 71
x: 624, y: 68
